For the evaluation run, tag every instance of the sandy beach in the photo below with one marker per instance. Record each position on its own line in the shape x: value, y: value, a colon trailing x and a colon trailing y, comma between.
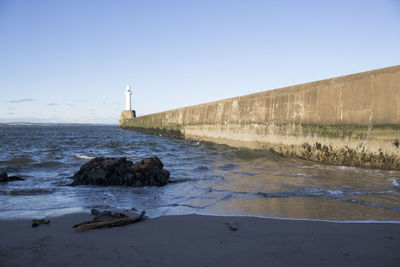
x: 196, y: 240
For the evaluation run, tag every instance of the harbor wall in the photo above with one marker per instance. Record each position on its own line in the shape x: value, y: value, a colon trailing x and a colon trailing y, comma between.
x: 351, y: 120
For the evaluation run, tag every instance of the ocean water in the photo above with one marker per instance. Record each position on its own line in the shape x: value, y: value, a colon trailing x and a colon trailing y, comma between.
x: 210, y: 178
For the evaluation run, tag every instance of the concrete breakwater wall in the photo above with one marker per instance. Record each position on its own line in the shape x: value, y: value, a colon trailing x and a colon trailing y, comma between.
x: 351, y: 120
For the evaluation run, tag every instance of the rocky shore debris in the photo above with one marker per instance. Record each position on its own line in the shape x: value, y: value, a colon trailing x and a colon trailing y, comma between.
x: 108, y: 219
x: 120, y: 171
x: 5, y: 178
x: 232, y: 226
x: 37, y: 222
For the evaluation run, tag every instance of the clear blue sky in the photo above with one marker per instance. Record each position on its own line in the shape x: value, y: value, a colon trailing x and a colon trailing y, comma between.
x: 69, y: 61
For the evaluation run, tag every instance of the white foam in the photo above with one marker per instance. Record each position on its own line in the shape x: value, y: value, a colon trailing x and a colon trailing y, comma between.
x: 83, y: 157
x: 109, y: 194
x: 335, y: 192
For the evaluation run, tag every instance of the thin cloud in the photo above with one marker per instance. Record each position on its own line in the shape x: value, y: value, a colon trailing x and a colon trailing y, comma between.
x: 53, y: 104
x: 11, y: 113
x: 21, y: 100
x: 71, y: 105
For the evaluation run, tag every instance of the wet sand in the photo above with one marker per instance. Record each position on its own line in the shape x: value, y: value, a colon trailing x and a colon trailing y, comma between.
x: 195, y: 240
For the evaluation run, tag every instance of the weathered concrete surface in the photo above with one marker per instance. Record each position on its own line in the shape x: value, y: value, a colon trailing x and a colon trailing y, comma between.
x: 127, y: 114
x: 350, y: 120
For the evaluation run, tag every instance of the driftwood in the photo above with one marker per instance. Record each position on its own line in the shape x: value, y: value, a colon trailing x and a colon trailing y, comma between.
x: 108, y: 219
x: 36, y: 222
x: 101, y: 217
x: 232, y: 226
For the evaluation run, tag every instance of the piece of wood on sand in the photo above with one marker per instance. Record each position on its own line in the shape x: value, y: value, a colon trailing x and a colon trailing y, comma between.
x: 108, y: 222
x: 232, y: 226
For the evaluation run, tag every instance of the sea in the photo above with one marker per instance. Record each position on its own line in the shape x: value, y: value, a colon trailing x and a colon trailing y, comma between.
x: 208, y: 178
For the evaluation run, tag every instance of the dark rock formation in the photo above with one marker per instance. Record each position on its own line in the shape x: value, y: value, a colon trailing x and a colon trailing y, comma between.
x: 37, y: 222
x: 5, y: 178
x: 120, y: 171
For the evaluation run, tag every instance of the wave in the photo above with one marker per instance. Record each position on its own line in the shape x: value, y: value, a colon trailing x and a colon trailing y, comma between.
x: 249, y: 154
x: 182, y: 205
x: 296, y: 175
x: 245, y: 173
x: 114, y: 144
x: 31, y: 191
x: 84, y: 157
x: 338, y: 195
x: 182, y: 180
x: 395, y: 184
x: 228, y: 166
x: 202, y: 168
x: 314, y: 192
x: 18, y: 161
x: 287, y: 194
x: 367, y: 203
x: 47, y: 164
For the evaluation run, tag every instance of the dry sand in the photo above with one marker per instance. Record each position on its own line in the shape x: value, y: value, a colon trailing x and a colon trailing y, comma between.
x: 194, y: 240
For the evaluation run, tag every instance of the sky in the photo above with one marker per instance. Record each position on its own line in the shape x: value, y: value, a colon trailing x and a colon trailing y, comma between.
x: 69, y: 61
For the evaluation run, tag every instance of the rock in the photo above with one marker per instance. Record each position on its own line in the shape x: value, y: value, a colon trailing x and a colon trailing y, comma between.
x: 5, y: 178
x: 37, y: 222
x: 232, y: 226
x: 120, y: 171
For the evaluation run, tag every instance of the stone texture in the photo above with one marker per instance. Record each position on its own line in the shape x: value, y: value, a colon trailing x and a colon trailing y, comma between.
x: 127, y: 114
x: 120, y: 171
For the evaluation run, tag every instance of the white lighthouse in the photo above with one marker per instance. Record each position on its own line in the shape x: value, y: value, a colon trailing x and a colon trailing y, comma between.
x: 128, y: 93
x: 128, y: 113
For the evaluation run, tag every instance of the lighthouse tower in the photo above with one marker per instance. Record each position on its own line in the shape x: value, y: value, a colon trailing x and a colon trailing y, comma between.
x: 128, y: 113
x: 128, y: 93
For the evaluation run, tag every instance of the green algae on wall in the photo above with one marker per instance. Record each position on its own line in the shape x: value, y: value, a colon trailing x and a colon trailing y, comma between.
x: 359, y: 156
